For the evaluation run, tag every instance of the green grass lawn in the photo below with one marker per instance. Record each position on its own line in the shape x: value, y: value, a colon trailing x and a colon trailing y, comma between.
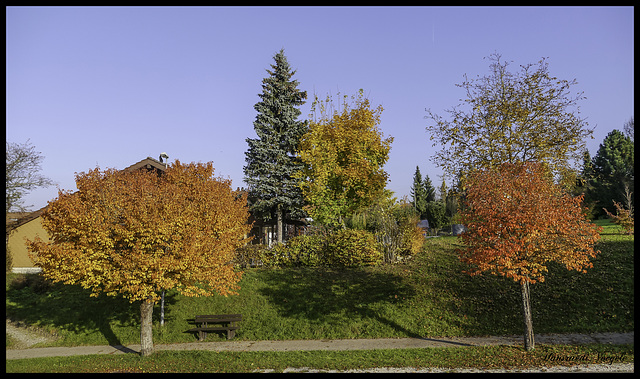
x: 429, y: 296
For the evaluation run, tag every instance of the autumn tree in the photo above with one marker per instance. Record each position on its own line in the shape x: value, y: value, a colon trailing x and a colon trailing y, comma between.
x: 623, y: 217
x: 518, y: 220
x: 136, y: 234
x: 271, y: 161
x: 343, y: 154
x: 511, y: 117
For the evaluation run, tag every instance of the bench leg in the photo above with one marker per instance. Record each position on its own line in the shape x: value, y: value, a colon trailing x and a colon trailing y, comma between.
x: 231, y: 333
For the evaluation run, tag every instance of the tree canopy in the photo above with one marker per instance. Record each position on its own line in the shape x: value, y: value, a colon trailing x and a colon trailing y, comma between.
x: 518, y: 220
x: 418, y: 193
x: 271, y: 160
x: 611, y: 169
x: 135, y: 234
x: 509, y: 118
x: 343, y: 154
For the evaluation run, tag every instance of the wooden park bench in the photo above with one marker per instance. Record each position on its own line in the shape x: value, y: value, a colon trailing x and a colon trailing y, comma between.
x: 229, y: 323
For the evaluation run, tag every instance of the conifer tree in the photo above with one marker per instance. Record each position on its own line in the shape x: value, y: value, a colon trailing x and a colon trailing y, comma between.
x: 271, y: 160
x: 613, y: 168
x: 418, y: 194
x: 429, y: 190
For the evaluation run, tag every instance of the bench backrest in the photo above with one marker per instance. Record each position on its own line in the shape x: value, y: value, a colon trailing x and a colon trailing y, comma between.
x: 218, y: 318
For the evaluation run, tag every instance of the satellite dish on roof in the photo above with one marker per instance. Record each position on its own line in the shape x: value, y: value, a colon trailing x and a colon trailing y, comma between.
x: 163, y: 155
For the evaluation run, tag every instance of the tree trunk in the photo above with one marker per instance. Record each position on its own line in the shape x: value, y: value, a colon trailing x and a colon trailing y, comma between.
x: 146, y: 333
x: 529, y: 343
x: 279, y: 211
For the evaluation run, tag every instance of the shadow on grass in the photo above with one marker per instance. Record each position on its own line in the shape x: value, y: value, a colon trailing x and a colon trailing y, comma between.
x: 600, y: 300
x: 328, y: 295
x: 71, y: 308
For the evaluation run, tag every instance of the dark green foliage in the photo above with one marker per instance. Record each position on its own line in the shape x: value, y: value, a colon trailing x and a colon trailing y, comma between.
x: 38, y: 283
x: 584, y: 185
x: 611, y: 169
x: 418, y: 194
x: 270, y: 159
x: 422, y: 192
x: 429, y: 189
x: 436, y: 213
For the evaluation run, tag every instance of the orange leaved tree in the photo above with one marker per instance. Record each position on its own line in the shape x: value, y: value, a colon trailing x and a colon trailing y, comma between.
x: 517, y: 221
x: 137, y: 233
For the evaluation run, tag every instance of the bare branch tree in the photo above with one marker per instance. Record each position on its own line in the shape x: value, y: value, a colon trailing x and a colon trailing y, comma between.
x: 628, y: 128
x: 23, y: 174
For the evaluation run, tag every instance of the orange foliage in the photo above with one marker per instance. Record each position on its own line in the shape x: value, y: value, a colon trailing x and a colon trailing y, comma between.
x: 518, y: 220
x: 137, y: 233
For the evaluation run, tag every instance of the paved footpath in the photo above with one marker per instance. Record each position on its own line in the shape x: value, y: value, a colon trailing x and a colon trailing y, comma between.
x: 345, y: 344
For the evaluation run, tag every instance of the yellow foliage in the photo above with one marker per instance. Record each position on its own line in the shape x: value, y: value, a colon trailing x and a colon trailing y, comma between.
x: 343, y: 155
x: 138, y: 233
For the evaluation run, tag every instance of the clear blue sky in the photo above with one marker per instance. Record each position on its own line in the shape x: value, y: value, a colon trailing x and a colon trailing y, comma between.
x: 109, y: 86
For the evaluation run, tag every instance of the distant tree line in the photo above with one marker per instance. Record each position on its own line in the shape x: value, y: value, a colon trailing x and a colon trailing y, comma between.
x: 608, y: 177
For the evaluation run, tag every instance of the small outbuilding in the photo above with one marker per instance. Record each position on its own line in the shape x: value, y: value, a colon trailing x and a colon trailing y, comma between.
x: 424, y: 226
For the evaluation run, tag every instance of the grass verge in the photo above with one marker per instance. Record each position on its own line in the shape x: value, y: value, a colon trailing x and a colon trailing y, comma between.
x: 205, y: 361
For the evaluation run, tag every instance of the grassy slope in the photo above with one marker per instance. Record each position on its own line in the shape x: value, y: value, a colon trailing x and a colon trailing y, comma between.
x: 430, y: 296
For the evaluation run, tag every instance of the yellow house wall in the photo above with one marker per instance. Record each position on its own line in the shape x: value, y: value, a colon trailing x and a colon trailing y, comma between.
x: 17, y: 244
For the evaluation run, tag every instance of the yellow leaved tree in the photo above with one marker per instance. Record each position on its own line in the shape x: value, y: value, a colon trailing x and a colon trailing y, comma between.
x: 137, y: 233
x: 343, y: 155
x: 512, y: 117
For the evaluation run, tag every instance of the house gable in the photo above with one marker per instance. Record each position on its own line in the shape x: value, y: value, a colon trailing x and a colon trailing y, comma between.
x: 149, y: 164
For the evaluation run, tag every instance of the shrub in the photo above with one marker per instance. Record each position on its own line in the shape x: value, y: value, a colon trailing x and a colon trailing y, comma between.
x: 623, y: 217
x: 412, y: 238
x: 36, y: 282
x: 249, y: 255
x: 276, y: 255
x: 437, y: 214
x: 306, y: 250
x: 394, y: 226
x: 351, y: 247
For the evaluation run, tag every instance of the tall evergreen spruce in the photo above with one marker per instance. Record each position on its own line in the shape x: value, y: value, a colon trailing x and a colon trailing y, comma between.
x: 422, y: 193
x: 271, y: 160
x: 418, y: 193
x: 429, y: 190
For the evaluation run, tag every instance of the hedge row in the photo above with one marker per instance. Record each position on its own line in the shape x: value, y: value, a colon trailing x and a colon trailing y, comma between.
x: 346, y: 247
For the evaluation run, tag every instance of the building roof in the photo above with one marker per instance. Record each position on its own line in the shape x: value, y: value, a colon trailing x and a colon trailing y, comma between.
x: 23, y: 219
x: 423, y: 224
x: 148, y: 163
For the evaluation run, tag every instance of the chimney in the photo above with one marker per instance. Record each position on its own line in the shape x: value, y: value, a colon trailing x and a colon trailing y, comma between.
x: 164, y: 155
